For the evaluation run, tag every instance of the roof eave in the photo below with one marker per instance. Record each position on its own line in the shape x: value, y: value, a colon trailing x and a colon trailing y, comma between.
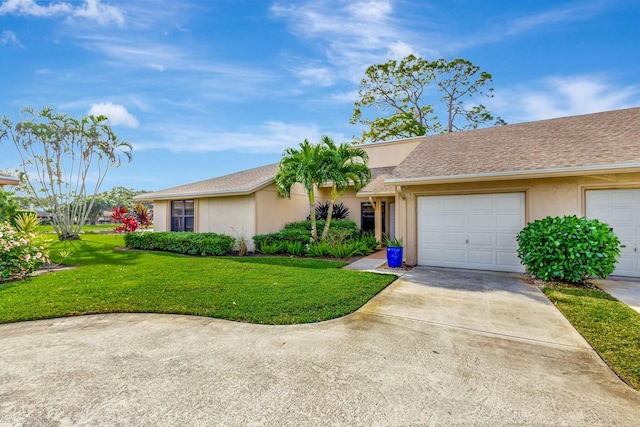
x: 149, y: 197
x: 525, y: 174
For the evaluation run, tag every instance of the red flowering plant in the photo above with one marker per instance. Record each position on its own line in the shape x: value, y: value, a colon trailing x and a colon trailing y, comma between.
x: 142, y: 215
x: 128, y: 223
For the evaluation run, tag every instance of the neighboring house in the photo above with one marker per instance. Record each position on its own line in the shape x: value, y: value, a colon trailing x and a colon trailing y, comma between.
x: 456, y: 199
x: 8, y: 180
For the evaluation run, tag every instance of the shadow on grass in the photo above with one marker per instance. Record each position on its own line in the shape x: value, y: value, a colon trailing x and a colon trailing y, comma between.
x: 579, y: 292
x: 86, y: 252
x: 317, y: 264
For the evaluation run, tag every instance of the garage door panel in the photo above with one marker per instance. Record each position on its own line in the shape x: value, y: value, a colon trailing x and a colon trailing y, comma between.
x: 621, y: 210
x: 453, y: 255
x: 453, y: 204
x: 453, y: 239
x: 481, y: 257
x: 507, y: 258
x: 474, y: 230
x: 481, y: 220
x: 482, y: 239
x: 507, y: 202
x: 510, y: 220
x: 506, y: 240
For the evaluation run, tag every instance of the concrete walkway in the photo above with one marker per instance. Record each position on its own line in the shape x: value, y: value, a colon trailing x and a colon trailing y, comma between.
x: 622, y: 289
x: 437, y: 347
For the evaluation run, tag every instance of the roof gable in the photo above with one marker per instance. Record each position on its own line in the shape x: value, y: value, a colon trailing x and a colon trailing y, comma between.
x: 239, y: 183
x: 578, y: 144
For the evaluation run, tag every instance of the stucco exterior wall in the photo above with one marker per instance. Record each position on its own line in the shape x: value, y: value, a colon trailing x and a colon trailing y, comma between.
x: 161, y: 215
x: 385, y: 154
x: 543, y: 197
x: 223, y: 215
x: 273, y: 211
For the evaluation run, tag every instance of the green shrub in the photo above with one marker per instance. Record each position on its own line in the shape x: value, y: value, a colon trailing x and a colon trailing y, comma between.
x: 345, y: 250
x: 294, y: 248
x: 318, y: 250
x: 569, y: 249
x: 183, y: 243
x: 269, y: 248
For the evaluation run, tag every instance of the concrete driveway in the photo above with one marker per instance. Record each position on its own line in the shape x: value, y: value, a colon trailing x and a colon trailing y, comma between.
x: 438, y: 347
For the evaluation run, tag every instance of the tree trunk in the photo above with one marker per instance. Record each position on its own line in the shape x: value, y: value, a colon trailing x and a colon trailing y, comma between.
x: 327, y: 223
x: 312, y: 214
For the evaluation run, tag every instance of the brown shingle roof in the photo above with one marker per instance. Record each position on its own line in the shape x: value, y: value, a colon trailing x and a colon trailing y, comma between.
x: 243, y: 182
x: 376, y: 186
x: 8, y: 180
x: 569, y: 145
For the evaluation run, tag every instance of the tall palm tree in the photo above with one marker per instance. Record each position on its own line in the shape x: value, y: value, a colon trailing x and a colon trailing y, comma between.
x: 305, y: 166
x: 344, y: 165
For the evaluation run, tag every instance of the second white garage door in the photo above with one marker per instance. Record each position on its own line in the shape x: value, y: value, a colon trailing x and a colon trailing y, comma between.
x: 621, y: 210
x: 476, y: 231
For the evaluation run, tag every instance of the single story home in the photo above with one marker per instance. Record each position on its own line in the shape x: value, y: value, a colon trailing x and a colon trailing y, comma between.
x: 8, y: 180
x: 457, y: 199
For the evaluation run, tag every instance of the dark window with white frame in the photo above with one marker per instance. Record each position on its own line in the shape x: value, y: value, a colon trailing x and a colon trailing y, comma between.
x: 182, y: 215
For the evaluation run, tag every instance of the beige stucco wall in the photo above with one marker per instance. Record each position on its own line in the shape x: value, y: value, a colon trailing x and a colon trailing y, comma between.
x: 384, y: 154
x: 543, y: 197
x: 274, y: 212
x: 232, y: 215
x: 161, y: 215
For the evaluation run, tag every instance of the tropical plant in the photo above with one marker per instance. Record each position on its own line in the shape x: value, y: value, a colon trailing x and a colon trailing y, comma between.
x: 568, y: 248
x: 141, y: 213
x: 345, y: 250
x: 394, y: 243
x: 128, y: 223
x: 340, y: 211
x: 345, y: 165
x: 269, y: 248
x: 26, y: 222
x: 303, y: 166
x: 294, y: 248
x: 61, y: 157
x: 320, y: 249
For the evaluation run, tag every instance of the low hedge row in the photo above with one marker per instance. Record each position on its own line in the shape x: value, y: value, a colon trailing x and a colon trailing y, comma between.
x: 182, y: 243
x: 301, y: 232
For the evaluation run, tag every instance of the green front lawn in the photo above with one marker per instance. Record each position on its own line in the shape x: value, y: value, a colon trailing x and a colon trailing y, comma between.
x: 611, y: 327
x: 269, y: 290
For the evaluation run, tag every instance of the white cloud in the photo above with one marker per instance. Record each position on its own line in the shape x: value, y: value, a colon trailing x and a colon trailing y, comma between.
x: 352, y: 36
x: 90, y: 9
x: 269, y: 137
x: 9, y: 37
x: 31, y: 8
x: 99, y: 12
x: 561, y: 96
x: 117, y: 114
x: 320, y: 76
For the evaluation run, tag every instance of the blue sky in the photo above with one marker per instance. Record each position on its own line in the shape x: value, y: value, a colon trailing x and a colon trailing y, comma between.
x: 207, y: 88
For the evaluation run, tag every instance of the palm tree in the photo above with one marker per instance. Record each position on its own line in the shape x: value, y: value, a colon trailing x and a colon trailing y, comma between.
x: 344, y: 165
x: 304, y: 166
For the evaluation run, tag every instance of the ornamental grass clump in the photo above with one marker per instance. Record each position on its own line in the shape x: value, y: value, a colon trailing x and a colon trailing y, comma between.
x: 568, y: 249
x: 20, y: 255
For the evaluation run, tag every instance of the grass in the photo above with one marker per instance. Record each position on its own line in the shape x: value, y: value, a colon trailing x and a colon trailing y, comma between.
x: 87, y: 228
x: 611, y: 327
x: 268, y: 290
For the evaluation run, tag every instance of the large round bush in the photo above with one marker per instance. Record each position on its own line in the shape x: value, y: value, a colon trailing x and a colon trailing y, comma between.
x: 20, y: 255
x: 569, y: 249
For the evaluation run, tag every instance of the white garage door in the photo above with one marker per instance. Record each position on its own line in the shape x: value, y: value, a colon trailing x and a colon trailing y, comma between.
x: 621, y: 210
x: 470, y: 231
